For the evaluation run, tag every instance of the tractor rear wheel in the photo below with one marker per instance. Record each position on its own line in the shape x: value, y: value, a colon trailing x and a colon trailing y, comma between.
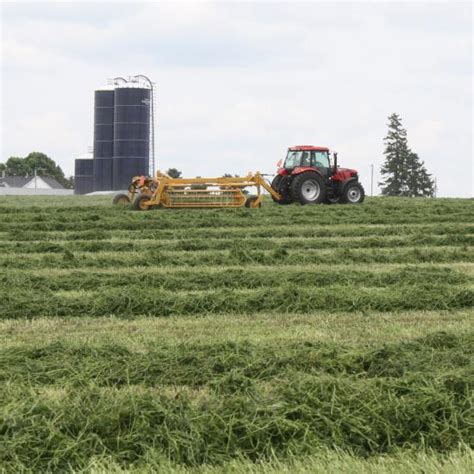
x: 279, y: 185
x: 353, y: 193
x: 139, y: 202
x: 308, y: 188
x: 121, y: 200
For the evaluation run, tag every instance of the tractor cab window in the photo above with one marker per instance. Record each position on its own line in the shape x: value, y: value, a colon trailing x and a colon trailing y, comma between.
x: 306, y: 159
x: 293, y: 159
x: 320, y: 159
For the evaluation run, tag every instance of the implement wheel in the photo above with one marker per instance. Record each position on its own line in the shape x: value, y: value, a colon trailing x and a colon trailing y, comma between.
x: 250, y: 202
x: 308, y: 188
x: 121, y: 200
x: 279, y: 184
x: 139, y: 202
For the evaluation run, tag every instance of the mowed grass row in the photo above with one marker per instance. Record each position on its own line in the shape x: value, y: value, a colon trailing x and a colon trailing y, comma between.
x: 236, y: 277
x: 200, y: 364
x: 301, y: 243
x: 349, y: 329
x: 135, y: 301
x: 309, y: 230
x: 154, y: 221
x: 236, y: 255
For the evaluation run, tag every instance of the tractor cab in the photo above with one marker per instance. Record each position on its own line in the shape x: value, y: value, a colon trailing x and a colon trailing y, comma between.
x: 308, y: 157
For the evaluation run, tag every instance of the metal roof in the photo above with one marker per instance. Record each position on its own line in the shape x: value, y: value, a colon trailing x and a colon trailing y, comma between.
x: 22, y: 181
x: 52, y: 182
x: 15, y: 181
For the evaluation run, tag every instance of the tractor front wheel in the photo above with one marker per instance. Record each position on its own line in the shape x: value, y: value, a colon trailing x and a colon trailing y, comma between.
x: 353, y: 193
x: 308, y: 188
x: 139, y: 204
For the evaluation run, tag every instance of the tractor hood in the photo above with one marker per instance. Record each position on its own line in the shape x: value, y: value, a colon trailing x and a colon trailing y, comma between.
x: 344, y: 173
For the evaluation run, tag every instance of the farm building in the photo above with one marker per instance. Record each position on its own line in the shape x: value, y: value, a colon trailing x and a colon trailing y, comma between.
x: 33, y: 185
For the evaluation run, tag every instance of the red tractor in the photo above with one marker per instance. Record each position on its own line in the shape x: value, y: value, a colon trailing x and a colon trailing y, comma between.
x: 307, y: 176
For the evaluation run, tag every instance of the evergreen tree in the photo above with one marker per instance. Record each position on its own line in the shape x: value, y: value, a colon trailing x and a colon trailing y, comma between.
x: 419, y: 181
x: 396, y: 153
x: 404, y: 174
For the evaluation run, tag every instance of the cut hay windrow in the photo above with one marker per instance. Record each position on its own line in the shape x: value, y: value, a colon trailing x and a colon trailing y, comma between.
x: 237, y: 277
x: 134, y: 301
x: 234, y: 232
x: 86, y: 223
x: 237, y: 254
x: 197, y: 365
x: 260, y: 243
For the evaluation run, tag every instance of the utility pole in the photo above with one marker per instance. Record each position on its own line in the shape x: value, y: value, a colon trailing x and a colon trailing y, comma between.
x: 36, y: 170
x: 371, y: 180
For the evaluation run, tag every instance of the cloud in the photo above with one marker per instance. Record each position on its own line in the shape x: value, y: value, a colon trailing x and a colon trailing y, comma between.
x: 238, y: 83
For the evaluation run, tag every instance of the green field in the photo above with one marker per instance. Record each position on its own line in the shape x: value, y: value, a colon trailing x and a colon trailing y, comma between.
x: 282, y: 339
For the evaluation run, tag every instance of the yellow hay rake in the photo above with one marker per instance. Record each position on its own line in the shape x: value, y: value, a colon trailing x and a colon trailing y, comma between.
x: 164, y: 191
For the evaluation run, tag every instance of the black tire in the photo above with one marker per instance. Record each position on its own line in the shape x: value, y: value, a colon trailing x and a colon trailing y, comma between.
x: 138, y: 202
x: 121, y: 200
x: 279, y: 185
x: 250, y: 200
x: 353, y: 193
x: 308, y: 188
x: 333, y: 200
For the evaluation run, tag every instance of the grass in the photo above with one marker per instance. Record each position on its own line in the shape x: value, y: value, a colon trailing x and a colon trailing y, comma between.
x: 285, y: 339
x: 137, y: 334
x: 326, y: 461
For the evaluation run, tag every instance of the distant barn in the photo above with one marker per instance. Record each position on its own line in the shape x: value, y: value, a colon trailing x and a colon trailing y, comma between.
x: 31, y: 185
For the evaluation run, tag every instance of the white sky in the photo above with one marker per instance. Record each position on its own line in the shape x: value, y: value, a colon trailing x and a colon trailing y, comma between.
x: 237, y: 83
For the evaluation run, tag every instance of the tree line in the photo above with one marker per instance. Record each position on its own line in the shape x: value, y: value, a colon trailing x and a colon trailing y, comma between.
x: 37, y: 162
